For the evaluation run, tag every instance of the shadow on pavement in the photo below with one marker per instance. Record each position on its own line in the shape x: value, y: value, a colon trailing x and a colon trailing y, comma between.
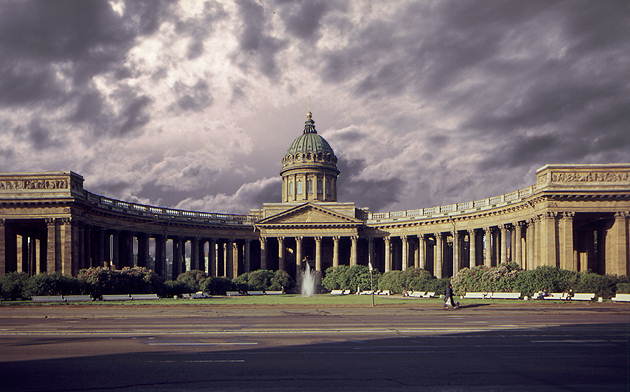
x: 566, y: 358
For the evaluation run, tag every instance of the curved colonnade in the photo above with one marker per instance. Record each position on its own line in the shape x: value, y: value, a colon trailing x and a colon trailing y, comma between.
x: 575, y: 217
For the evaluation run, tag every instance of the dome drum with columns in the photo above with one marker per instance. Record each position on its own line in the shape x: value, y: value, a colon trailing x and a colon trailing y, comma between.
x: 309, y: 168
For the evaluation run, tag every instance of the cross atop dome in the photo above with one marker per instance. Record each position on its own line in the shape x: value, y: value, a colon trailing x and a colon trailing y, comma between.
x: 309, y: 124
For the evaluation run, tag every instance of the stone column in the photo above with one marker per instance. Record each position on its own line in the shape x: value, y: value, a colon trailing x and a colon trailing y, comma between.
x: 335, y: 251
x: 194, y: 253
x: 235, y: 256
x: 318, y: 253
x: 472, y: 248
x: 143, y: 249
x: 618, y: 245
x: 67, y: 246
x: 518, y: 235
x: 439, y: 253
x: 39, y: 268
x: 353, y: 250
x: 549, y: 238
x: 487, y: 251
x: 203, y: 265
x: 456, y: 253
x: 227, y: 258
x: 405, y: 252
x: 3, y: 247
x: 52, y: 242
x: 531, y: 244
x: 504, y: 237
x: 263, y: 253
x: 218, y: 255
x: 20, y: 241
x: 422, y: 252
x: 115, y: 244
x: 567, y: 259
x: 212, y: 250
x: 281, y: 260
x: 388, y: 254
x: 160, y: 255
x: 298, y: 251
x: 247, y: 256
x: 177, y: 257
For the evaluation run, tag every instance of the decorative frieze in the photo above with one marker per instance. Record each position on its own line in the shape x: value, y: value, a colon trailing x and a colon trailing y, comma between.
x: 599, y: 176
x: 35, y: 184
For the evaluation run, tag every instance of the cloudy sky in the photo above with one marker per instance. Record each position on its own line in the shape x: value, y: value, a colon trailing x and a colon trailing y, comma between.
x: 192, y: 104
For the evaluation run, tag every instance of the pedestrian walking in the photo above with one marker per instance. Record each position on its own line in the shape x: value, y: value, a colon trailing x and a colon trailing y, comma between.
x: 449, y: 302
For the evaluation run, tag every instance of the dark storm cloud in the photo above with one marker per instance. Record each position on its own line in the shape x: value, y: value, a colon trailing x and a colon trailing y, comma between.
x: 255, y: 44
x: 374, y: 193
x: 198, y: 29
x: 539, y: 81
x: 36, y: 135
x: 193, y: 98
x: 51, y: 50
x: 303, y: 19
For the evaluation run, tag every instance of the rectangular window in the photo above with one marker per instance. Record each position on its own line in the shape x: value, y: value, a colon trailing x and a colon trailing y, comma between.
x: 299, y: 187
x: 309, y: 186
x: 320, y: 188
x: 290, y: 190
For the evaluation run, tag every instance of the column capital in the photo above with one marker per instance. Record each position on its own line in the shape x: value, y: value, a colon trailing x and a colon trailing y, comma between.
x: 299, y: 238
x: 621, y: 214
x: 354, y: 238
x: 65, y: 221
x: 318, y: 239
x: 568, y: 215
x: 387, y: 238
x: 550, y: 215
x: 49, y: 221
x: 336, y: 238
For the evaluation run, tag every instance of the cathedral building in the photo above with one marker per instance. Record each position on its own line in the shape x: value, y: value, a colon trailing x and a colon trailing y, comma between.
x: 575, y: 217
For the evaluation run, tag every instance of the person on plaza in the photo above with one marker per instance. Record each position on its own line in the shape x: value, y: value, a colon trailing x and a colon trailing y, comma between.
x: 449, y: 302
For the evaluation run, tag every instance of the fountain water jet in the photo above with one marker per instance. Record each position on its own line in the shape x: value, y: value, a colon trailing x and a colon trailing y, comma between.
x: 309, y: 280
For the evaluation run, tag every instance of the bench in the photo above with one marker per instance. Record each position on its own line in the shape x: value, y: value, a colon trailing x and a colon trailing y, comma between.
x: 505, y: 295
x: 366, y: 292
x: 416, y: 294
x: 78, y: 298
x: 429, y: 294
x: 336, y: 292
x: 583, y: 297
x: 116, y: 297
x: 621, y: 298
x: 185, y: 296
x: 346, y: 292
x: 48, y: 298
x: 233, y: 293
x: 199, y: 295
x: 274, y: 292
x: 255, y: 293
x: 384, y: 292
x: 476, y: 295
x: 144, y: 297
x: 557, y: 296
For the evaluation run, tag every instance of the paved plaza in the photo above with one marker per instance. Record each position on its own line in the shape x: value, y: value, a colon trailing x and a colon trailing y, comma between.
x: 483, y: 347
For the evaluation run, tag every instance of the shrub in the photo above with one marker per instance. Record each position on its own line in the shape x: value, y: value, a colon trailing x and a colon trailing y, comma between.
x: 53, y: 284
x: 174, y: 287
x: 623, y: 288
x: 255, y: 280
x: 393, y: 281
x: 349, y: 277
x: 545, y: 278
x: 602, y: 285
x: 192, y: 279
x: 481, y: 278
x: 416, y: 279
x: 217, y: 286
x: 333, y: 277
x: 12, y: 285
x: 282, y: 281
x: 131, y: 280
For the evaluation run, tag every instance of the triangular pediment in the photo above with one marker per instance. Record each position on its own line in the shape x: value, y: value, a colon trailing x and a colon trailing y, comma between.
x: 309, y: 214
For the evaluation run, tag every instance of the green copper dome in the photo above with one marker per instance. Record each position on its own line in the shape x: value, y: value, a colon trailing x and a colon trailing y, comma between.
x: 310, y: 141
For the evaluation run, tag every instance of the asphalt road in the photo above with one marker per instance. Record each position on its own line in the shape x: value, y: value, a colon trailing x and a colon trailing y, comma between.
x: 507, y: 347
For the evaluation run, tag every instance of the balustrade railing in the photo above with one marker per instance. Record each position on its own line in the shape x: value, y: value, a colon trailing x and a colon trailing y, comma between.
x: 454, y: 209
x: 168, y: 213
